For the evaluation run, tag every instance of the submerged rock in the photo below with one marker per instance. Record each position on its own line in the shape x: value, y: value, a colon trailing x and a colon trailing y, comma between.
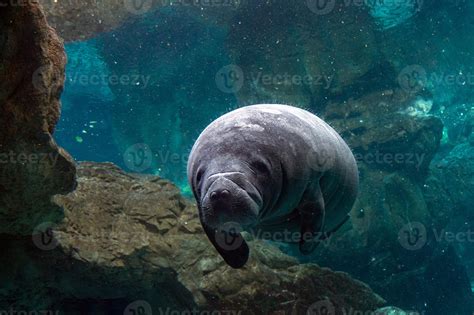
x: 393, y: 151
x: 384, y: 133
x: 455, y: 173
x: 449, y: 192
x: 129, y: 238
x: 80, y: 20
x: 32, y: 167
x: 297, y: 56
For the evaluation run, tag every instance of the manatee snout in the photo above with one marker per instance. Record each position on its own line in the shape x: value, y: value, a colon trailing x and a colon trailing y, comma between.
x: 227, y: 201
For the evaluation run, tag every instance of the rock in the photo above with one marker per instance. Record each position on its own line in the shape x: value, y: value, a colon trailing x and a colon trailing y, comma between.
x: 299, y: 63
x: 448, y: 190
x: 455, y: 173
x: 431, y: 289
x: 32, y: 167
x: 418, y: 59
x: 387, y: 202
x: 379, y: 131
x: 388, y: 130
x: 81, y: 20
x: 449, y: 194
x: 131, y: 237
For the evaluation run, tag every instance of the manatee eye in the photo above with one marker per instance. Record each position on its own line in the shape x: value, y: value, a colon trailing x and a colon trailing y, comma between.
x: 259, y: 167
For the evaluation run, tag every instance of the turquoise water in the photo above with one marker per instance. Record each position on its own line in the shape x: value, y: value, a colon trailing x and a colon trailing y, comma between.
x: 139, y: 96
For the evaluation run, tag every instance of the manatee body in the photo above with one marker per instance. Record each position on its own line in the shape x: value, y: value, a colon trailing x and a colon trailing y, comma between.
x: 275, y: 171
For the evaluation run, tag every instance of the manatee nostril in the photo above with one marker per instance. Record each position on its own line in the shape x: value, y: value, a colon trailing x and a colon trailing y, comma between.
x: 225, y: 193
x: 220, y: 194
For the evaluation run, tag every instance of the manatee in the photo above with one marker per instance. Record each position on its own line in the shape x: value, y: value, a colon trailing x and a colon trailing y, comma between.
x: 271, y: 170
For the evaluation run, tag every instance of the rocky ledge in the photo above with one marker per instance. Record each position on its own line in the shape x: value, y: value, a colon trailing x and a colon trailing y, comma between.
x: 129, y: 238
x: 32, y: 167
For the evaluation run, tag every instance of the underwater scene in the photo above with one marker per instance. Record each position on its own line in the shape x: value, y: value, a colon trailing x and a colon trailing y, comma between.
x: 237, y: 157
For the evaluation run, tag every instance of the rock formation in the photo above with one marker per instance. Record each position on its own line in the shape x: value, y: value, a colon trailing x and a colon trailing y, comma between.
x: 82, y: 20
x: 127, y: 238
x: 449, y: 195
x: 297, y: 56
x: 32, y: 167
x: 387, y: 130
x: 393, y: 149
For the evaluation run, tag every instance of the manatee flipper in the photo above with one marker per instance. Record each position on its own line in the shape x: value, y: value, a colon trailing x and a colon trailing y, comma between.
x: 231, y: 246
x: 312, y: 213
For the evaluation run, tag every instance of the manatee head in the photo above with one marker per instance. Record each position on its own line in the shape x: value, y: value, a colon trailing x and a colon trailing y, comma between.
x: 236, y: 175
x: 234, y: 189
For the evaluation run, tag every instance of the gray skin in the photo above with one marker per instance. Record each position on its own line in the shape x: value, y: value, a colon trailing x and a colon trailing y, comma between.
x: 271, y: 169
